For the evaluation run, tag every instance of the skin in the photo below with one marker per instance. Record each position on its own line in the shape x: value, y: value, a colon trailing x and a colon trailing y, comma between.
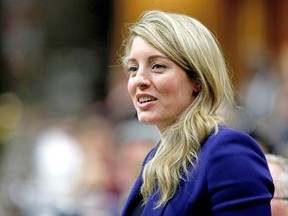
x: 278, y: 207
x: 160, y: 82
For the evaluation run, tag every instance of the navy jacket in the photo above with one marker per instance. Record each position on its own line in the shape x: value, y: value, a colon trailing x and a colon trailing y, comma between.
x: 231, y: 179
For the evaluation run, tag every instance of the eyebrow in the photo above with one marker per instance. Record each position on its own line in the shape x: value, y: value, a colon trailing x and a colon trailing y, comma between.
x: 149, y: 58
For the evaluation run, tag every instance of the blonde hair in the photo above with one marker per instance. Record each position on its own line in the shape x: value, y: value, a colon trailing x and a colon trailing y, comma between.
x: 192, y: 46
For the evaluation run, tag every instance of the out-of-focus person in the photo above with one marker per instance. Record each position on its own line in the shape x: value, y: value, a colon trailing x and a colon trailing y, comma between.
x: 96, y: 193
x: 279, y: 170
x: 280, y: 113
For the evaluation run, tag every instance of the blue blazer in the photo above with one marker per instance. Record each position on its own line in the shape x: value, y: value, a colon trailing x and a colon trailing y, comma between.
x: 231, y: 179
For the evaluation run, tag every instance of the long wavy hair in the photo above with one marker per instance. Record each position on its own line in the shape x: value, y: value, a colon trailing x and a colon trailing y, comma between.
x: 191, y: 45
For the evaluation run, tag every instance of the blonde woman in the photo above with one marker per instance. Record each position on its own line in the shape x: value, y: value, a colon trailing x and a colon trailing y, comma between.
x: 179, y: 82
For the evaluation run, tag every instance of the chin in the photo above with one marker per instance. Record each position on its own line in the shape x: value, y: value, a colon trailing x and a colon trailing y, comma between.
x: 145, y: 120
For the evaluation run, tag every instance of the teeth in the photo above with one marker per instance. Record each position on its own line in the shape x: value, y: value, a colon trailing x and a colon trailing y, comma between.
x: 145, y: 99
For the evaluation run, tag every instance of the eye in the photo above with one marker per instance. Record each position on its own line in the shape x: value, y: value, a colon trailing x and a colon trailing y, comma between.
x: 132, y: 69
x: 158, y: 67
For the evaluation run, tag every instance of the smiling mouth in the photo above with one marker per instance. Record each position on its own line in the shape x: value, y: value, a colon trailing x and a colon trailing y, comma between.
x: 145, y: 99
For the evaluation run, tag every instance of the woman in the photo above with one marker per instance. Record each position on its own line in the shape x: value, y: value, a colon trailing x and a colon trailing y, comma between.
x: 178, y: 81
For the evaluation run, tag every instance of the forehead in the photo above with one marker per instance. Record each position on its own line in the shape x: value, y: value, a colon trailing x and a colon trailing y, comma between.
x: 142, y: 46
x: 141, y: 49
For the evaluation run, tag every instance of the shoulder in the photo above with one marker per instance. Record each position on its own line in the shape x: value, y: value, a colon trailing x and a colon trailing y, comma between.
x: 229, y: 139
x: 229, y: 133
x: 236, y: 170
x: 230, y: 147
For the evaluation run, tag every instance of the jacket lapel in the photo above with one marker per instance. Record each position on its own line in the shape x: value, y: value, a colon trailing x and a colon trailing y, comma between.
x: 133, y: 197
x: 150, y: 210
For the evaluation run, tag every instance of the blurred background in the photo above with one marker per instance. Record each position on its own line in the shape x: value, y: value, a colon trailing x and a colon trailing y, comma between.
x: 69, y: 141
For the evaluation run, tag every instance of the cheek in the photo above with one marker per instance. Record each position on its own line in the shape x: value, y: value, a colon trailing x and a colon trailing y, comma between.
x: 184, y: 91
x: 130, y: 87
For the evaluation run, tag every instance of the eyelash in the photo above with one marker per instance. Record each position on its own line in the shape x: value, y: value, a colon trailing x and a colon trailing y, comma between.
x: 158, y: 66
x: 155, y: 67
x: 132, y: 69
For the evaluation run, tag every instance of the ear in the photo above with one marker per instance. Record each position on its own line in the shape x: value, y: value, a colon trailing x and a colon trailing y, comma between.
x: 196, y: 88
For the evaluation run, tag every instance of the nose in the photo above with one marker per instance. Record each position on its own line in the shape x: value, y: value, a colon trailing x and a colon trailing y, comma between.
x: 142, y: 79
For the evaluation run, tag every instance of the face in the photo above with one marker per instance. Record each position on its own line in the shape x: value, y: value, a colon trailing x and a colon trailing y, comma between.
x: 159, y: 88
